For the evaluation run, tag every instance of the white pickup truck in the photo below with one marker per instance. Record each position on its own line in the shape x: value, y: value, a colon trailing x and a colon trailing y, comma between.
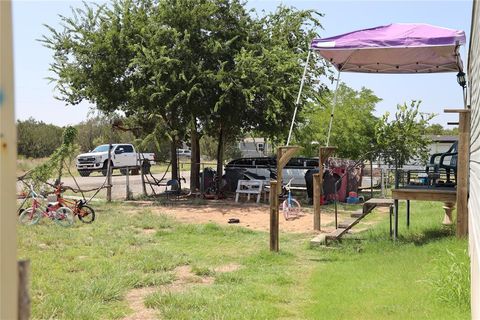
x: 123, y: 156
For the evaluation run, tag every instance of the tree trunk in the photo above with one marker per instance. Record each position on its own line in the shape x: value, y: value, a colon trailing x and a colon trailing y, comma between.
x: 221, y: 138
x: 194, y: 158
x: 174, y: 159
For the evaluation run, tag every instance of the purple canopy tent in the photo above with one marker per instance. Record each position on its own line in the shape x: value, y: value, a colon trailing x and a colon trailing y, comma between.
x: 395, y: 48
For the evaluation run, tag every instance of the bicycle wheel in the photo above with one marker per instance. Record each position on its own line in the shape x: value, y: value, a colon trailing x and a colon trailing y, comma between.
x: 291, y: 211
x: 86, y: 214
x: 30, y: 216
x: 63, y: 216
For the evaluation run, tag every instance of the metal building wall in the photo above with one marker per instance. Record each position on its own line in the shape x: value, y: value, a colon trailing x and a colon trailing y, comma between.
x: 474, y: 179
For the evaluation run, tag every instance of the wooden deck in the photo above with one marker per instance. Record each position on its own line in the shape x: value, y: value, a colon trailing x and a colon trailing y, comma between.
x: 443, y: 195
x: 447, y: 196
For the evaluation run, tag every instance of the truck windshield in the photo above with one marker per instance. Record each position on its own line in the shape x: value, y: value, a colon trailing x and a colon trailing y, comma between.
x: 102, y: 148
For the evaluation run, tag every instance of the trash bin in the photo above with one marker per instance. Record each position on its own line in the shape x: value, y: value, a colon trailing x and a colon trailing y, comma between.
x: 206, y: 179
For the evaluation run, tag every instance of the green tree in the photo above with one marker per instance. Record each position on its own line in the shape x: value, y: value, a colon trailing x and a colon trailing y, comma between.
x: 198, y: 66
x: 36, y: 139
x: 434, y: 129
x: 98, y: 130
x: 403, y: 138
x: 438, y: 129
x: 353, y: 127
x: 63, y: 155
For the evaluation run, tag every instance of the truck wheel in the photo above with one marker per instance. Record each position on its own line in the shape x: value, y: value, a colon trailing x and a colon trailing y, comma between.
x: 135, y: 172
x: 105, y: 168
x: 84, y: 173
x: 146, y: 167
x: 123, y: 172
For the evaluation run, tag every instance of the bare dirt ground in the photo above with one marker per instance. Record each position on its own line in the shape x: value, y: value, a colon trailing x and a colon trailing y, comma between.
x: 256, y: 216
x: 251, y: 215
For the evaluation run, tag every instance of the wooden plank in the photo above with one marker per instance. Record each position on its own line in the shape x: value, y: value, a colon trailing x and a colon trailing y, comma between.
x: 8, y: 154
x: 336, y: 234
x: 357, y: 214
x: 347, y: 223
x: 380, y: 202
x: 462, y: 173
x: 456, y: 110
x: 425, y: 195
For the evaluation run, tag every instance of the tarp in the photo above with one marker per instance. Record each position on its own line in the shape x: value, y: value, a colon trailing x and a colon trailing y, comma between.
x: 395, y: 48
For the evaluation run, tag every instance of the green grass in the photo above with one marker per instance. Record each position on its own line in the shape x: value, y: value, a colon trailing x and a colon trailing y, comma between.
x: 414, y: 278
x: 85, y: 272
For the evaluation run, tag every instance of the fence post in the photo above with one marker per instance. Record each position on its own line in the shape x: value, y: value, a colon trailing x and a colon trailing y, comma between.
x: 127, y: 184
x: 109, y: 173
x: 23, y: 295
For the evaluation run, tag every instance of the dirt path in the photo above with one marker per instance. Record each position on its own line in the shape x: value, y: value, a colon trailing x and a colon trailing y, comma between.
x: 184, y: 279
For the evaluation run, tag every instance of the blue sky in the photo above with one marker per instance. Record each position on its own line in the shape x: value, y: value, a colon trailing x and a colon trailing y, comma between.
x: 35, y: 95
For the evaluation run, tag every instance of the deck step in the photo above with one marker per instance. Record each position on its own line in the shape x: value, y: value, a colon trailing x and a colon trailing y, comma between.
x: 318, y: 240
x: 336, y: 234
x: 380, y: 202
x: 347, y: 223
x: 357, y: 214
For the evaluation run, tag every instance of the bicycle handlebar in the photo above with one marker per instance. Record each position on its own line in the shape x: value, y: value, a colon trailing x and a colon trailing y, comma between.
x: 289, y: 183
x: 33, y: 193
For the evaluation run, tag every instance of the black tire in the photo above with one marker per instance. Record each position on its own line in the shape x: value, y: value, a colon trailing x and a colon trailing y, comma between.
x: 105, y: 168
x: 135, y: 172
x: 84, y: 173
x: 86, y: 214
x: 123, y: 172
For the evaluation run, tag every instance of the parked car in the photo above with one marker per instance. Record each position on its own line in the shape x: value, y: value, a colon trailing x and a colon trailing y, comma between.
x: 123, y: 156
x: 184, y: 153
x: 264, y: 167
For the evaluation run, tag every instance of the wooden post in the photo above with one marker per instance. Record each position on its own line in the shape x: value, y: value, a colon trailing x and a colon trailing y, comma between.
x: 284, y: 154
x: 279, y: 172
x: 462, y: 173
x: 109, y: 173
x: 127, y: 184
x: 317, y: 185
x: 144, y: 188
x: 323, y: 154
x: 408, y: 213
x: 8, y: 155
x: 23, y: 295
x: 274, y: 229
x: 462, y: 169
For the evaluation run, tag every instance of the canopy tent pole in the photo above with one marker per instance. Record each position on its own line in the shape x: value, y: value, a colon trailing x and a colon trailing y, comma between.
x: 333, y: 108
x: 302, y: 82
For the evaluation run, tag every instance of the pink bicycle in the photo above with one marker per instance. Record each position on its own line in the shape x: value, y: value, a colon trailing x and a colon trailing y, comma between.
x: 63, y: 216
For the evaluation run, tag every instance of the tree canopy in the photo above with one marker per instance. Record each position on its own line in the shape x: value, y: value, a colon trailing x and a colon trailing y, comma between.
x: 403, y: 138
x: 200, y: 66
x: 353, y: 125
